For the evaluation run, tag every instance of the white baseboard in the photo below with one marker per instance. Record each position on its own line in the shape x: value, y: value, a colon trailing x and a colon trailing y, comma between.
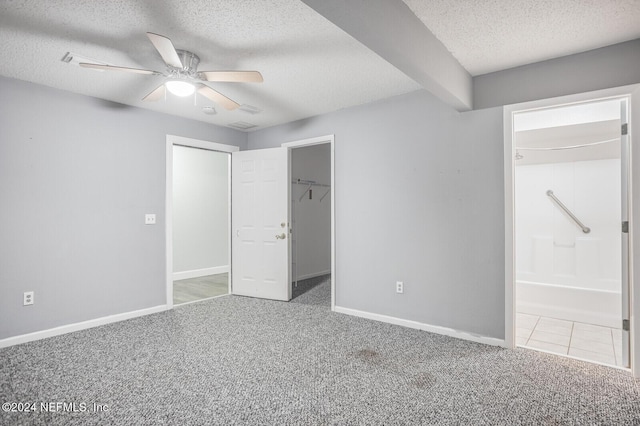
x: 69, y: 328
x: 421, y: 326
x: 185, y: 275
x: 313, y: 275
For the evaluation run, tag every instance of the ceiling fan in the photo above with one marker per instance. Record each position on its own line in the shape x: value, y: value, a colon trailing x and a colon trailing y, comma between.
x: 183, y: 77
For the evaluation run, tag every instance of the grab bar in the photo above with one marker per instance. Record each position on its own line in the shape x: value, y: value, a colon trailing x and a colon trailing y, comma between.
x: 585, y: 229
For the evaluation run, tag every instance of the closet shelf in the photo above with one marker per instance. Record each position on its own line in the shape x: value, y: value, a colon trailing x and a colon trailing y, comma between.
x: 309, y: 184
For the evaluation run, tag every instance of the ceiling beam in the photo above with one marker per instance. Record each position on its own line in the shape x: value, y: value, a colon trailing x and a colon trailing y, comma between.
x: 395, y: 33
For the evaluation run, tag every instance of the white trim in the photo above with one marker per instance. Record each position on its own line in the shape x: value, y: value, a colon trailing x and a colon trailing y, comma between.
x: 634, y: 286
x: 229, y: 277
x: 317, y: 141
x: 509, y: 235
x: 195, y: 273
x: 168, y: 226
x: 445, y: 331
x: 70, y: 328
x: 308, y: 142
x: 333, y: 224
x: 172, y: 140
x: 196, y: 143
x: 509, y: 110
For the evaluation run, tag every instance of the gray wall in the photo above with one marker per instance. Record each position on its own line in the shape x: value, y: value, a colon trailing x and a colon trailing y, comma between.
x: 200, y: 209
x: 77, y: 175
x: 419, y: 198
x: 611, y: 66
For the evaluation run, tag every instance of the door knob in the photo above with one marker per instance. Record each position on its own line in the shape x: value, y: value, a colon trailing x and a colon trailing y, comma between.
x: 281, y: 236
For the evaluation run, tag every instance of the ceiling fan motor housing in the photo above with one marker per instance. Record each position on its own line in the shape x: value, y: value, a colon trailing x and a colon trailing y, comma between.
x: 190, y: 63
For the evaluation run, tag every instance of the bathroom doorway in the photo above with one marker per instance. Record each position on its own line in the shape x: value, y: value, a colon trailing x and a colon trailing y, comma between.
x: 570, y: 200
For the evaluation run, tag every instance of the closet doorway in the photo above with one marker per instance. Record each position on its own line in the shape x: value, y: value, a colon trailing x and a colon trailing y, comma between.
x: 311, y: 220
x: 198, y: 220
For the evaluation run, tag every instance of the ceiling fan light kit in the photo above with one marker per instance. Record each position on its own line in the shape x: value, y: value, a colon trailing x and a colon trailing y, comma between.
x: 180, y: 87
x: 183, y: 77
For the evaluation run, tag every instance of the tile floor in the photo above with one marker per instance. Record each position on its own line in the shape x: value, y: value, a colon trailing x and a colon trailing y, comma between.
x: 585, y: 341
x: 199, y: 288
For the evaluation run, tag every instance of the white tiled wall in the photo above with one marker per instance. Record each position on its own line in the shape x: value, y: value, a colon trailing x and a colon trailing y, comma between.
x: 550, y: 247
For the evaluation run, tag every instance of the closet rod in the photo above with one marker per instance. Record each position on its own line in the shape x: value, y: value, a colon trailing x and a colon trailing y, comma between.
x: 309, y: 182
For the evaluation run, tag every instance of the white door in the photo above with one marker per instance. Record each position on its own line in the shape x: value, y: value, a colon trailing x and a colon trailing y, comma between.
x: 624, y: 158
x: 260, y: 223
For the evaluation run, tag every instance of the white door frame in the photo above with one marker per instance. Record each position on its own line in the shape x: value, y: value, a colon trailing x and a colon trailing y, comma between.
x: 192, y: 143
x: 317, y: 141
x: 509, y: 166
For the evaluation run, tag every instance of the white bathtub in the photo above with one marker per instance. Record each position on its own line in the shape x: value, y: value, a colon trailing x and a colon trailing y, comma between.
x: 600, y: 307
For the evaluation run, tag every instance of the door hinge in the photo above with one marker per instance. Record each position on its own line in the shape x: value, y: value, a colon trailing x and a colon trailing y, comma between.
x: 623, y: 130
x: 625, y: 325
x: 625, y: 227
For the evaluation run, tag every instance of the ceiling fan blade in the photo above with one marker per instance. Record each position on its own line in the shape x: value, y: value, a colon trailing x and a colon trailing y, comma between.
x: 233, y: 76
x: 217, y: 97
x: 113, y: 68
x: 165, y: 48
x: 157, y: 93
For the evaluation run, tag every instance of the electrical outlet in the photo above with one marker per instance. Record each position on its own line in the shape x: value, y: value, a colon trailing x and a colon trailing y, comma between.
x: 399, y: 287
x: 149, y: 219
x: 28, y: 298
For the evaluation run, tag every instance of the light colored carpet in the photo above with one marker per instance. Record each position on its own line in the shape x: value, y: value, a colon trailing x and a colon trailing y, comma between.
x: 245, y: 361
x: 300, y: 287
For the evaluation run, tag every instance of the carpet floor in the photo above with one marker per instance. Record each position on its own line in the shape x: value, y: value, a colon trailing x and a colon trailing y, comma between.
x: 298, y: 288
x: 243, y: 361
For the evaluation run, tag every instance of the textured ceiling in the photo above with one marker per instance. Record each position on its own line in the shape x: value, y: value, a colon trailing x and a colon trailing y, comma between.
x: 310, y: 66
x: 492, y: 35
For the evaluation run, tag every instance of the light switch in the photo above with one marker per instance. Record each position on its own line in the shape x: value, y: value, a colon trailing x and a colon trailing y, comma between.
x: 150, y: 219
